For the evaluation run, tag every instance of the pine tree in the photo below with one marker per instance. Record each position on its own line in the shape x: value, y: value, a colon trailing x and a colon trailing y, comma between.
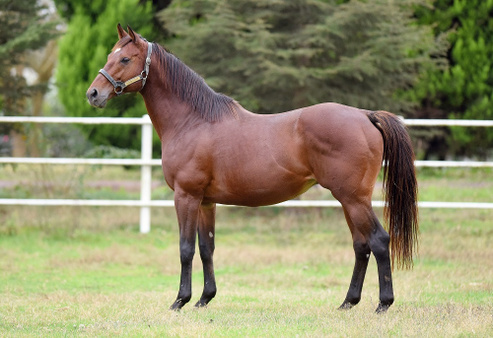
x: 26, y: 28
x: 274, y: 55
x: 465, y: 89
x: 23, y: 27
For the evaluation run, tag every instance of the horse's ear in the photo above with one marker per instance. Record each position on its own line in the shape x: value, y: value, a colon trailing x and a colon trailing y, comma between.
x: 121, y: 31
x: 132, y: 34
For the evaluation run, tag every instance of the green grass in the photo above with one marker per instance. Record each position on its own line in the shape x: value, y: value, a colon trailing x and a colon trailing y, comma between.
x: 280, y: 272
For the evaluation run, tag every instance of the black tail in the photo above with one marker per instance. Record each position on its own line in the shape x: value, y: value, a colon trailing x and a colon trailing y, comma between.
x: 401, y: 188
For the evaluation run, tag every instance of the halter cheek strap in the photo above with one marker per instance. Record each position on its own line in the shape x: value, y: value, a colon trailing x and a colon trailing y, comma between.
x: 119, y: 86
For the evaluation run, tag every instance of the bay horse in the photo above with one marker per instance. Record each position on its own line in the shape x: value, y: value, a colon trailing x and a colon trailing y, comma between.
x: 216, y: 151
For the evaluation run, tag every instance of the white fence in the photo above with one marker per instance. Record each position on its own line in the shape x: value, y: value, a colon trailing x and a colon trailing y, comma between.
x: 146, y: 162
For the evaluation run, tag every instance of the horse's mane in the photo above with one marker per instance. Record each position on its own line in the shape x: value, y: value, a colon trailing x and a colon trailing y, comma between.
x: 189, y: 87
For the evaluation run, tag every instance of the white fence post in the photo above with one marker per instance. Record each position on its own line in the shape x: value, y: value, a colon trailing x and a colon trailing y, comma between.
x: 145, y: 176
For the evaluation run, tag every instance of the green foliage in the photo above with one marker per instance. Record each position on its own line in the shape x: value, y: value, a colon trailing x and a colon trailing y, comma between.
x: 111, y: 152
x: 23, y: 27
x: 465, y: 89
x: 90, y: 35
x: 279, y: 55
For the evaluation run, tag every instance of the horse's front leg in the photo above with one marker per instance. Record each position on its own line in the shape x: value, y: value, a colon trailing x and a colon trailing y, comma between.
x: 362, y: 256
x: 207, y: 213
x: 187, y: 211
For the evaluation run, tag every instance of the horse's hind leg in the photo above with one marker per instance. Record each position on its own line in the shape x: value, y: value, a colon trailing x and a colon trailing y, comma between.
x: 206, y: 246
x: 368, y: 235
x: 379, y: 245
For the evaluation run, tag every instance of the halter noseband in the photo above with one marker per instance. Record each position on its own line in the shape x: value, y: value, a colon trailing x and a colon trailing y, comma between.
x: 119, y: 86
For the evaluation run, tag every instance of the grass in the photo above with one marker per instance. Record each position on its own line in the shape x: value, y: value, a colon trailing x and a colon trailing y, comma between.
x: 280, y: 272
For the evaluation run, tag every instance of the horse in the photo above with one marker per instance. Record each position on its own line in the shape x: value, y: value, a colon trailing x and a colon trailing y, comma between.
x: 215, y: 151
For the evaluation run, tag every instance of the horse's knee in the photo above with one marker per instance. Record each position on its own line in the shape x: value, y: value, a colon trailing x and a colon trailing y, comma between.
x: 187, y: 251
x: 206, y: 251
x: 361, y: 250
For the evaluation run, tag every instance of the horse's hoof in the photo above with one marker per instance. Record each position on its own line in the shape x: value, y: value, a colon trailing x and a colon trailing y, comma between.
x: 345, y: 306
x: 201, y: 304
x: 177, y: 305
x: 382, y: 308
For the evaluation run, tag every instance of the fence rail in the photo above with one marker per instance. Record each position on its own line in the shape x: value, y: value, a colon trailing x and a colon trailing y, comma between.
x: 157, y: 162
x: 146, y: 162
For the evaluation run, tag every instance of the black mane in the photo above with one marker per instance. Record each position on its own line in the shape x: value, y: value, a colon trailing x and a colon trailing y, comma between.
x: 191, y: 88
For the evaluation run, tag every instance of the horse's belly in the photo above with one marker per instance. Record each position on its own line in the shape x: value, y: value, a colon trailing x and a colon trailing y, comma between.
x: 255, y: 193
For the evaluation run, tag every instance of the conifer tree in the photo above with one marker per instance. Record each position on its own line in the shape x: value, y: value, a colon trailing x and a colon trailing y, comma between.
x: 465, y: 89
x: 274, y: 55
x: 23, y: 27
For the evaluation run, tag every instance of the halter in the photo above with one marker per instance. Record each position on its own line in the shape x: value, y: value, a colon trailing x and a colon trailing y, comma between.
x: 119, y: 86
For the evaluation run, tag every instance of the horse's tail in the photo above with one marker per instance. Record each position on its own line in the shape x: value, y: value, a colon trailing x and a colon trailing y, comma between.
x: 401, y: 188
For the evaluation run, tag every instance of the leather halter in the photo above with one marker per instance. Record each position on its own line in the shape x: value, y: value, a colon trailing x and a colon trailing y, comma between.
x: 119, y: 86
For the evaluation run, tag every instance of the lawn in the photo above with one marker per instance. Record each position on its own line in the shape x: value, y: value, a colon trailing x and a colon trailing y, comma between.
x: 280, y: 272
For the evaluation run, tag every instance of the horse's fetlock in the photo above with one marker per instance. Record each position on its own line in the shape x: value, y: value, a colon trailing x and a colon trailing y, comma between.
x: 387, y: 301
x: 184, y: 298
x: 209, y: 291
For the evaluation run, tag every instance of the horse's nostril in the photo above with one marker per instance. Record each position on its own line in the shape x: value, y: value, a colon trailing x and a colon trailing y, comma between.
x: 94, y: 93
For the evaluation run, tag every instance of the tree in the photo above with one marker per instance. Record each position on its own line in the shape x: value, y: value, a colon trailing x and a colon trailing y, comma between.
x: 26, y: 27
x: 465, y: 89
x: 274, y: 55
x: 90, y: 35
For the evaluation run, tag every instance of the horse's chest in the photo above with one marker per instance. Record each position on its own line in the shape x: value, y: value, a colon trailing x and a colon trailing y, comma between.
x: 185, y: 168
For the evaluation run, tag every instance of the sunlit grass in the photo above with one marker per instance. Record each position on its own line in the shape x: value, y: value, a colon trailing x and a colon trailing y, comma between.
x: 280, y: 272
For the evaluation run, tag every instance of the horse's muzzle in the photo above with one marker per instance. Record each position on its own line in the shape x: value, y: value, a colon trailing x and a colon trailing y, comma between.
x: 96, y: 99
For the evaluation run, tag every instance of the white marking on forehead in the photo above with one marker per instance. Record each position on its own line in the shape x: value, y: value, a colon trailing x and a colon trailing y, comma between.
x: 117, y: 50
x: 211, y: 234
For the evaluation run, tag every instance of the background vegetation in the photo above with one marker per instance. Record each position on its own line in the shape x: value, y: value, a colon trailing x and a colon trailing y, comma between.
x: 280, y: 55
x: 417, y: 58
x: 24, y: 28
x: 465, y: 88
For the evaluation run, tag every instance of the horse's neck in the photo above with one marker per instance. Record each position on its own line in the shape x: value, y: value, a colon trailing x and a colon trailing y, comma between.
x: 167, y: 112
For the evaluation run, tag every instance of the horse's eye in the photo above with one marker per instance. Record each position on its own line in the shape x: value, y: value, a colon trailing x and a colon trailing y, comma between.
x: 125, y: 60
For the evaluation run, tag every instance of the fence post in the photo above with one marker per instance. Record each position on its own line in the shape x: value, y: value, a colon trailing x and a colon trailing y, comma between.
x: 145, y: 175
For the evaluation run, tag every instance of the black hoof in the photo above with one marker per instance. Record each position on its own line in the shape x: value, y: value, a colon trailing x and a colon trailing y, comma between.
x: 346, y: 306
x: 382, y: 308
x: 201, y: 303
x: 177, y: 305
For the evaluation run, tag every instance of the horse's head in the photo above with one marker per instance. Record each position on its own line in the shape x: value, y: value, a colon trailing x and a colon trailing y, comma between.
x: 125, y: 71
